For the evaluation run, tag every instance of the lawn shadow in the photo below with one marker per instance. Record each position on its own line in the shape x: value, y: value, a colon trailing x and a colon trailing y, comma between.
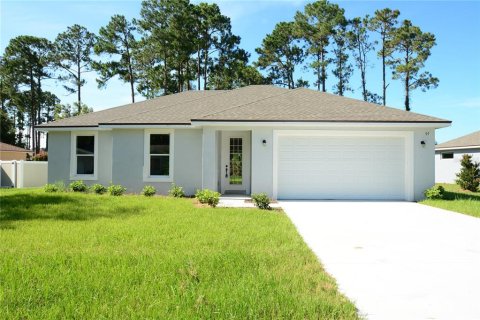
x: 466, y: 195
x: 36, y: 206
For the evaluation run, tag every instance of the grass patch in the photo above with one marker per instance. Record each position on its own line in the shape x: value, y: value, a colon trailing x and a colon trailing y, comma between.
x: 457, y: 200
x: 86, y: 256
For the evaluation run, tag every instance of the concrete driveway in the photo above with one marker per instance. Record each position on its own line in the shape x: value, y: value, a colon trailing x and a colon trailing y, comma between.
x: 396, y: 260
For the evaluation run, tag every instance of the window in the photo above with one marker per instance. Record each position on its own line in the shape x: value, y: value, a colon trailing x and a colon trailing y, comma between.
x: 448, y: 155
x: 158, y: 155
x: 83, y: 164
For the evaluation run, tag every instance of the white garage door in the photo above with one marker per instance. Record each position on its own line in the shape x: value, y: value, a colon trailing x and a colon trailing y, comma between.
x: 340, y: 167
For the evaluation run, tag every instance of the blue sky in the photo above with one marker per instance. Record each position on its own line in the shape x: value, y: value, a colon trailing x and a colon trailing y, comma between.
x: 455, y: 60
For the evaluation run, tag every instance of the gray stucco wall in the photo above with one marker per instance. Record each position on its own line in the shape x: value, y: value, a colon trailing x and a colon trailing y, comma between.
x: 424, y: 161
x: 59, y: 156
x: 128, y: 158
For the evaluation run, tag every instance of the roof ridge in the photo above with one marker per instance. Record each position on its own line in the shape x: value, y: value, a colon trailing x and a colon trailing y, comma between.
x: 217, y: 92
x: 244, y: 104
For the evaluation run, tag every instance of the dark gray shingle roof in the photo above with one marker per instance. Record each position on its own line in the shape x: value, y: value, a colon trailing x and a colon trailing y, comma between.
x: 252, y: 103
x: 469, y: 140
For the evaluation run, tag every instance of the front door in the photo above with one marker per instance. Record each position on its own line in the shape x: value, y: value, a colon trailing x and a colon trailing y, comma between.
x: 235, y: 162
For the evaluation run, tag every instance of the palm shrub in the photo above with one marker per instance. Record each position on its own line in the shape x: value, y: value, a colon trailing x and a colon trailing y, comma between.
x: 50, y: 187
x: 435, y: 192
x: 261, y: 200
x: 176, y: 191
x: 212, y: 198
x: 149, y: 191
x: 469, y: 176
x: 78, y: 186
x: 98, y: 188
x: 116, y: 189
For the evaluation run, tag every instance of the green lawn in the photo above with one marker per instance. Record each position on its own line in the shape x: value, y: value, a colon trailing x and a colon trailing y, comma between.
x: 85, y: 256
x: 458, y: 200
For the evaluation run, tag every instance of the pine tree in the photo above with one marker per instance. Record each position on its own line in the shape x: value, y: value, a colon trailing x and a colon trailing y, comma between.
x: 469, y: 175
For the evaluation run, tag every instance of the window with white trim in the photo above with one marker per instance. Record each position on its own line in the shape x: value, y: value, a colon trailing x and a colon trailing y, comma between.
x: 158, y: 155
x: 83, y: 164
x: 85, y: 154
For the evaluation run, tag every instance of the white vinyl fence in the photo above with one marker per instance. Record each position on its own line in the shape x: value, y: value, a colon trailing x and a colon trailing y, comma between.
x: 23, y: 174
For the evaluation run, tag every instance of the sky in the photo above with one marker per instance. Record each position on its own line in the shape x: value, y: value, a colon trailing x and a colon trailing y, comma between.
x: 455, y: 60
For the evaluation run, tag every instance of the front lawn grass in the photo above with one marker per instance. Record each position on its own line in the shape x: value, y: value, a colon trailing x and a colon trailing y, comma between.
x: 457, y: 200
x: 86, y: 256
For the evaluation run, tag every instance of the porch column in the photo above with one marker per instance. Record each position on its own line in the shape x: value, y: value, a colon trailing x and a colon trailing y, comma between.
x: 209, y: 159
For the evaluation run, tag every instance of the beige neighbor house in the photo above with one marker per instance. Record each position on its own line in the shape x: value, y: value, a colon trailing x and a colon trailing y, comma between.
x: 448, y: 156
x: 291, y: 144
x: 11, y: 152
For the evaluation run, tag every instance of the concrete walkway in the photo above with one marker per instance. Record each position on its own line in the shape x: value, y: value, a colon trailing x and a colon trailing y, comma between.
x: 396, y: 260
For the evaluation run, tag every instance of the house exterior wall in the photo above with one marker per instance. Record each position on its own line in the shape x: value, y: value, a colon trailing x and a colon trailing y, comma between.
x: 196, y: 161
x: 446, y: 169
x: 59, y: 156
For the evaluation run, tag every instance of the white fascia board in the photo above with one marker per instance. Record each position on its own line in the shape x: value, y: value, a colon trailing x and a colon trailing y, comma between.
x: 145, y: 126
x: 321, y: 124
x: 47, y: 129
x: 456, y: 148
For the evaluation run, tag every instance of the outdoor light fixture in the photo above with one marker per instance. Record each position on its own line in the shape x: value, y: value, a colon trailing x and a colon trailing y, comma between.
x: 423, y: 143
x: 264, y: 142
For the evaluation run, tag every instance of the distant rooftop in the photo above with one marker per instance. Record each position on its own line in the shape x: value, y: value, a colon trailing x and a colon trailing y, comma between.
x: 469, y: 140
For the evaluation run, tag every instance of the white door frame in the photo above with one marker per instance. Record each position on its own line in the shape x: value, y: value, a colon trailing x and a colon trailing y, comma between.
x: 224, y: 174
x: 407, y: 135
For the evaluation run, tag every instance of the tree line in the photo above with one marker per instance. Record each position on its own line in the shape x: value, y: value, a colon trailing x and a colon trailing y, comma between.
x: 176, y: 46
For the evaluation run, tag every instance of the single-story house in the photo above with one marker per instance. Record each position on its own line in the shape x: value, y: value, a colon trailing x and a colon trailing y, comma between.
x: 10, y: 152
x: 448, y: 156
x: 291, y: 144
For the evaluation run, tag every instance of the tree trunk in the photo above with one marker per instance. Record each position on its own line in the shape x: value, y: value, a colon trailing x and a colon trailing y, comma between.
x: 383, y: 70
x: 165, y: 74
x: 32, y: 111
x: 79, y: 87
x: 324, y: 75
x: 407, y: 92
x: 199, y: 71
x: 205, y: 62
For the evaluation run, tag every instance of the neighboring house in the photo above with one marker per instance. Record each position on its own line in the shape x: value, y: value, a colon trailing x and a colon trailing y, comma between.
x: 291, y: 144
x: 449, y: 154
x: 11, y: 152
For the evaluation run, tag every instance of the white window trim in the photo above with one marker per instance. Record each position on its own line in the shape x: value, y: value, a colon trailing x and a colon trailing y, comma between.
x: 73, y: 156
x: 146, y: 159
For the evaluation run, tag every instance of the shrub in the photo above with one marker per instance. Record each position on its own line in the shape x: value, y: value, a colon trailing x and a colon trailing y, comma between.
x: 50, y: 187
x: 469, y: 175
x: 261, y: 200
x: 116, y: 190
x: 149, y: 191
x: 60, y: 186
x: 435, y: 192
x: 42, y: 156
x: 176, y: 191
x: 98, y: 188
x: 78, y: 186
x: 208, y: 196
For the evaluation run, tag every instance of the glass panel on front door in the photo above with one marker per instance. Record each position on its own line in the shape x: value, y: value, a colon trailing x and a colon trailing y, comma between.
x: 235, y: 161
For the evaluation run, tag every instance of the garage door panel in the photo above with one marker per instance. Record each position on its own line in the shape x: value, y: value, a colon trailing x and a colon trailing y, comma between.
x: 319, y: 167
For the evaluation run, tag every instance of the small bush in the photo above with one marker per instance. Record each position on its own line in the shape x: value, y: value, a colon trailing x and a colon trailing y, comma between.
x: 42, y: 156
x: 61, y: 186
x: 176, y: 191
x: 78, y: 186
x: 98, y: 188
x: 149, y: 191
x: 469, y: 175
x: 50, y: 187
x: 435, y: 192
x: 208, y: 196
x: 261, y: 200
x: 116, y: 190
